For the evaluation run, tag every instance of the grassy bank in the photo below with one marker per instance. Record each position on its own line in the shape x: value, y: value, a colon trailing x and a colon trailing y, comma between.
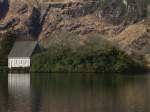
x: 84, y: 59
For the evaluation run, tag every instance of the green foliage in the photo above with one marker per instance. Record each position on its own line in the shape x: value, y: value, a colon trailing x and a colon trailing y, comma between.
x: 6, y: 43
x: 83, y: 59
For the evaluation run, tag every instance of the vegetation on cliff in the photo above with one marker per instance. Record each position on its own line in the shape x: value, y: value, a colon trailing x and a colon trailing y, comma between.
x: 53, y: 22
x: 6, y: 43
x: 84, y: 59
x: 124, y: 11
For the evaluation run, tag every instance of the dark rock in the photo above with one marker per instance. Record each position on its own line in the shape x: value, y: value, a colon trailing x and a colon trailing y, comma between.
x: 9, y: 24
x: 4, y: 7
x: 73, y: 26
x: 34, y: 22
x: 57, y: 5
x: 87, y: 30
x: 117, y: 11
x: 118, y: 29
x: 80, y: 10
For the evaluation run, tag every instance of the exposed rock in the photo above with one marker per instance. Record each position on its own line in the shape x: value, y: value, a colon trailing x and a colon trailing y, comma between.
x: 80, y: 10
x: 135, y: 39
x: 9, y: 24
x: 86, y: 30
x: 129, y: 11
x: 72, y: 27
x: 115, y: 20
x: 4, y: 7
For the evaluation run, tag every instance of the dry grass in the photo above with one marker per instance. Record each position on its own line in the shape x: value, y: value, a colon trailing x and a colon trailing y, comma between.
x: 132, y: 33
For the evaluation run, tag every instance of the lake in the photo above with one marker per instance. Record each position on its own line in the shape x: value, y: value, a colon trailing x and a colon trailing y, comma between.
x: 74, y: 93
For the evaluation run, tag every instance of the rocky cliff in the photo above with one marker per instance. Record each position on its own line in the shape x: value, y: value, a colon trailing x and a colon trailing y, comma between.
x: 78, y: 22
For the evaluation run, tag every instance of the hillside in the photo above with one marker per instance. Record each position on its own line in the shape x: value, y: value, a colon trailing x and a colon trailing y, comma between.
x: 79, y: 22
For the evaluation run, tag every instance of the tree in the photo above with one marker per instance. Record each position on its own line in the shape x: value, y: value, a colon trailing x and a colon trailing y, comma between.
x: 6, y: 44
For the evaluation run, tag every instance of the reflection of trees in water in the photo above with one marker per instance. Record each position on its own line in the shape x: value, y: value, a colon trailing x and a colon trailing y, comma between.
x: 74, y: 93
x: 92, y: 93
x: 3, y: 92
x: 71, y: 93
x: 133, y: 95
x: 4, y: 7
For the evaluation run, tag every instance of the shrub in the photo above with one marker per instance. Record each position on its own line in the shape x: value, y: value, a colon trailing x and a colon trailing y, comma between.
x: 6, y: 44
x: 63, y: 59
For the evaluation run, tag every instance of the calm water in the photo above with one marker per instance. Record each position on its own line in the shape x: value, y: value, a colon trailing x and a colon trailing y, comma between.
x: 74, y: 93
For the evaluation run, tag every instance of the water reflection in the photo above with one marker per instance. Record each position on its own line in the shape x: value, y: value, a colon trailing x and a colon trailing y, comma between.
x: 80, y: 93
x: 19, y: 93
x: 74, y: 93
x: 19, y: 84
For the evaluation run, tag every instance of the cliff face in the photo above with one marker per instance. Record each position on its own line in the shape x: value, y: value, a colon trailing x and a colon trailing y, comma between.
x: 125, y: 22
x: 113, y: 11
x: 128, y: 11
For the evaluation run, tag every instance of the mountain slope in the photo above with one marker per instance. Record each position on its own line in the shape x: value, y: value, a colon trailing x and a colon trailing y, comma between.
x: 77, y: 22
